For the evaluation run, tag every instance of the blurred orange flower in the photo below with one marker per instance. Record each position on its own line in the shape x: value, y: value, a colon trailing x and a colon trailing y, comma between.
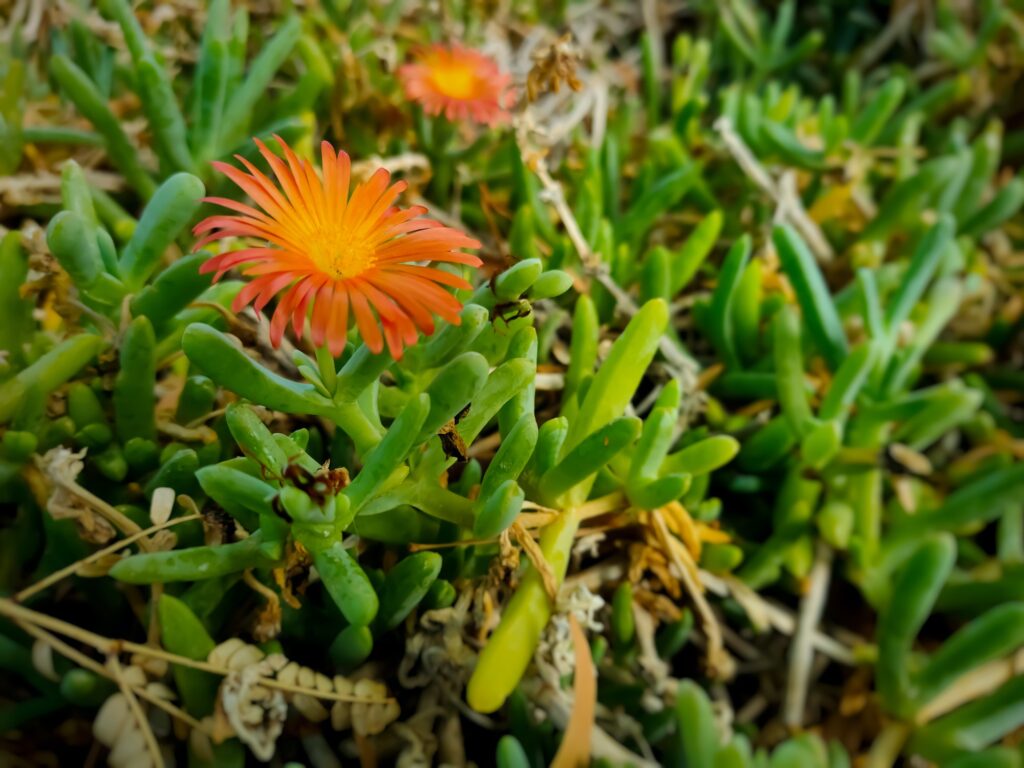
x: 345, y: 253
x: 459, y: 82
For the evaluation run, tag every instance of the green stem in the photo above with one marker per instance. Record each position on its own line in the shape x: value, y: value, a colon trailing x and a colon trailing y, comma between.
x: 441, y: 160
x: 887, y: 746
x: 865, y: 488
x: 350, y: 418
x: 328, y: 368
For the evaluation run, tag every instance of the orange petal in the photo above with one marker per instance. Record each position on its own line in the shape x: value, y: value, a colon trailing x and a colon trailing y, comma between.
x: 366, y: 322
x: 337, y: 329
x: 321, y: 313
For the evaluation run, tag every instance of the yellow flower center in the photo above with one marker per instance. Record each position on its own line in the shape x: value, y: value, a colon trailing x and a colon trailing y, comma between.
x: 340, y: 254
x: 455, y: 79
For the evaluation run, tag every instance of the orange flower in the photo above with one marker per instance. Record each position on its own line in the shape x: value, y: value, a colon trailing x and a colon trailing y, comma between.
x: 341, y: 254
x: 460, y: 82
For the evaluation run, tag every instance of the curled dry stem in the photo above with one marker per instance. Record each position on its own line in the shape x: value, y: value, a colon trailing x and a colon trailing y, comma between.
x: 107, y: 645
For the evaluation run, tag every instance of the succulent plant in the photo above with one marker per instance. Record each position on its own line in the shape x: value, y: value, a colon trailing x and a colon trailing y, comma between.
x: 443, y: 388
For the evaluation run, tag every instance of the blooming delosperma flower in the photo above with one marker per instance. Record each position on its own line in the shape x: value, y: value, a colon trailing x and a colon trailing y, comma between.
x: 342, y: 254
x: 459, y: 83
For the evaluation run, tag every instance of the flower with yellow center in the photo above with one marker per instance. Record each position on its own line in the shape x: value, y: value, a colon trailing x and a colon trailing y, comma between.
x: 332, y: 253
x: 459, y: 83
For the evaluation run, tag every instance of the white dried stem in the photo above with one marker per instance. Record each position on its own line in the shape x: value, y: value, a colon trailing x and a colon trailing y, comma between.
x: 801, y: 656
x: 783, y: 193
x: 680, y: 364
x: 767, y: 614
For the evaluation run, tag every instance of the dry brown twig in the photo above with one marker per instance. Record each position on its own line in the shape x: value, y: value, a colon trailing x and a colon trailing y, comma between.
x: 553, y: 65
x: 44, y: 186
x: 536, y: 556
x: 61, y: 475
x: 720, y: 663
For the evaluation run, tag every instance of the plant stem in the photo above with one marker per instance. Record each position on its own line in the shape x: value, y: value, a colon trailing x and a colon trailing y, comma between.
x: 354, y: 423
x: 888, y: 745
